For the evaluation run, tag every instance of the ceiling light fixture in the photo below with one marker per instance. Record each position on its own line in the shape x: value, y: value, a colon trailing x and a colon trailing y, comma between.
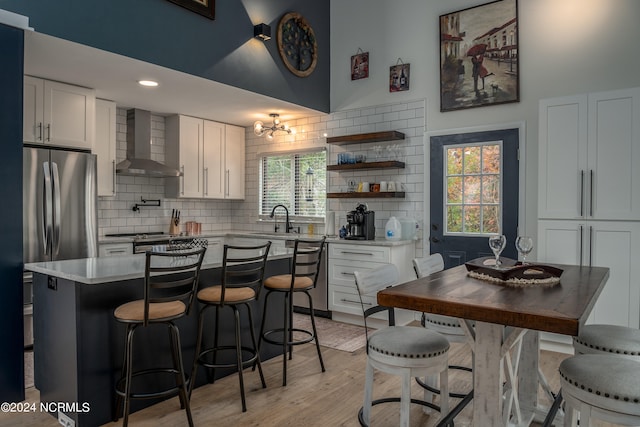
x: 147, y: 83
x: 260, y: 129
x: 262, y: 32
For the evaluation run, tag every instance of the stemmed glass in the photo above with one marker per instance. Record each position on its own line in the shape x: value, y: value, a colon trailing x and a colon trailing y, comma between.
x: 497, y: 244
x: 524, y: 245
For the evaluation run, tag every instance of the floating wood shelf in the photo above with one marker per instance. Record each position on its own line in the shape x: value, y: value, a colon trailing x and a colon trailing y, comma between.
x: 369, y: 195
x: 367, y: 165
x: 366, y: 137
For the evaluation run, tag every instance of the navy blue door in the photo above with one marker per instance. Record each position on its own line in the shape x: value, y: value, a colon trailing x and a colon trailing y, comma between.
x: 474, y: 193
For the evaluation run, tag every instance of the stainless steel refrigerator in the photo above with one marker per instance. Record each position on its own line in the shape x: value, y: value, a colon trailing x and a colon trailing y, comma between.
x: 60, y: 219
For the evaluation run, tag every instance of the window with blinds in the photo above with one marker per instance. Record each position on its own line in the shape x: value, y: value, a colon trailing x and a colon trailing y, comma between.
x: 296, y: 180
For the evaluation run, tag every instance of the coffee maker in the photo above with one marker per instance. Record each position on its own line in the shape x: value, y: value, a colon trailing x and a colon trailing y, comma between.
x: 361, y: 224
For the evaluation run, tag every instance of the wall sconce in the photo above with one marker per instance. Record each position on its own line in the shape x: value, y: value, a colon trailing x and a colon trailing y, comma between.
x: 262, y: 32
x: 260, y: 129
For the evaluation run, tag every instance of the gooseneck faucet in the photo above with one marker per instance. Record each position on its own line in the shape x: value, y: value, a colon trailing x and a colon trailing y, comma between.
x: 288, y: 226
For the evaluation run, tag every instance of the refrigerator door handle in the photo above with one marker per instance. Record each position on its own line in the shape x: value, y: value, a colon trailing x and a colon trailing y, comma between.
x: 47, y: 204
x: 56, y: 207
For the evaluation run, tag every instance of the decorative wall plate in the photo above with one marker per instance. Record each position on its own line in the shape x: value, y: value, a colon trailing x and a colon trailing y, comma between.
x: 297, y: 44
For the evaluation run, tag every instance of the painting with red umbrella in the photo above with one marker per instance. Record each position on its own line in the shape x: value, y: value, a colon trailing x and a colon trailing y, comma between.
x: 479, y: 56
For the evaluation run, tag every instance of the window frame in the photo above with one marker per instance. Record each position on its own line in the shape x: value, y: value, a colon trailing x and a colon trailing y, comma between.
x: 298, y: 190
x: 446, y: 204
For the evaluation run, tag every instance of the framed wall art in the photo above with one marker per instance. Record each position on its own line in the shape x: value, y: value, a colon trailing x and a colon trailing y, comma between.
x: 479, y: 56
x: 399, y: 77
x: 360, y: 65
x: 297, y: 44
x: 203, y: 7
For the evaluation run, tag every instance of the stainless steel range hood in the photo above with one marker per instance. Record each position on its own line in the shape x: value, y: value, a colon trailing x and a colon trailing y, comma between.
x: 138, y: 161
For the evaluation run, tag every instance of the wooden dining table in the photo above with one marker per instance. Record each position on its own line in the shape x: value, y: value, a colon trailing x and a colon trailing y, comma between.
x: 505, y: 318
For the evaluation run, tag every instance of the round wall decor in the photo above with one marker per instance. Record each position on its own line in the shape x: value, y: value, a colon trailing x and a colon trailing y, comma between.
x: 297, y: 44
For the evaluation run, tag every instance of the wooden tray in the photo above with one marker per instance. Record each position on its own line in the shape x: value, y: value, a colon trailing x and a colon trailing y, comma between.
x: 512, y: 270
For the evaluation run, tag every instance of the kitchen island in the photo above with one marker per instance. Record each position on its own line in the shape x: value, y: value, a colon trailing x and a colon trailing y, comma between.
x: 79, y: 346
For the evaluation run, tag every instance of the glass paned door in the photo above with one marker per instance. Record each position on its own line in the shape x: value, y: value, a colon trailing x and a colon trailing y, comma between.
x: 473, y: 193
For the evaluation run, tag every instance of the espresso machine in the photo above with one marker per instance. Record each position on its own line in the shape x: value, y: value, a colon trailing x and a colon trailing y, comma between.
x: 361, y: 224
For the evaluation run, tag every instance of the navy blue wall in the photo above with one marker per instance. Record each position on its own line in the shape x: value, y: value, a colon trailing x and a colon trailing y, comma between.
x: 11, y: 316
x: 163, y: 33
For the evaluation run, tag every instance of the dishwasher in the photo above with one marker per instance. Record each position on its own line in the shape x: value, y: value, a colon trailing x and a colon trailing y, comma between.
x: 319, y: 294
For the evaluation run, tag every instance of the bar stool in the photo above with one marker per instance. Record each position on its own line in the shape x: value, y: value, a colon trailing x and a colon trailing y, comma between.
x: 243, y: 269
x: 170, y: 282
x: 601, y: 386
x: 449, y: 327
x: 305, y: 267
x: 408, y: 351
x: 608, y: 339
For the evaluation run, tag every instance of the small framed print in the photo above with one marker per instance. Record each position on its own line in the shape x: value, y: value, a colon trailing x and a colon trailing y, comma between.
x: 360, y: 65
x: 399, y: 77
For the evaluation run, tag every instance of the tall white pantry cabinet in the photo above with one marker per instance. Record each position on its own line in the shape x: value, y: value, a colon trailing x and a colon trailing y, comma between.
x: 589, y: 193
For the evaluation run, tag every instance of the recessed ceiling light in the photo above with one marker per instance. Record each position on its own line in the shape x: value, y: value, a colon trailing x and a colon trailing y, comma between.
x: 147, y: 83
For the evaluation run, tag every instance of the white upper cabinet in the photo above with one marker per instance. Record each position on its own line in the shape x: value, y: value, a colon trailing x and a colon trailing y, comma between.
x: 58, y: 114
x: 234, y: 168
x: 211, y: 156
x: 184, y: 139
x: 589, y: 152
x: 104, y: 146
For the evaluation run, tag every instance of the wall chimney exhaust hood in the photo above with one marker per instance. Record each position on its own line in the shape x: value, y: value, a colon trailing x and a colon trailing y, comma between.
x: 138, y: 161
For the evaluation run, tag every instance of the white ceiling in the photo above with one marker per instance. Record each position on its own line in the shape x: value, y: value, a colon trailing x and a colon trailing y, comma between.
x: 115, y: 77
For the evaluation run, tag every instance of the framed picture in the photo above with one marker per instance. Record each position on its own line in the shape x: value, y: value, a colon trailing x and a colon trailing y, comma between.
x: 479, y: 57
x: 360, y: 66
x: 399, y: 77
x: 203, y: 7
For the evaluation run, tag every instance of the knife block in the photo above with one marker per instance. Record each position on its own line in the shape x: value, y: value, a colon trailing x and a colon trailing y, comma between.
x: 174, y: 228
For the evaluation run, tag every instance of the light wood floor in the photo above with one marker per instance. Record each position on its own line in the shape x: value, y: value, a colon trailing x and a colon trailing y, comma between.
x: 311, y: 398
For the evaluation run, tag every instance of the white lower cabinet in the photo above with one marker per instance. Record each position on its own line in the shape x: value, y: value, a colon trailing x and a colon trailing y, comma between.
x: 612, y: 244
x: 345, y: 259
x: 115, y: 249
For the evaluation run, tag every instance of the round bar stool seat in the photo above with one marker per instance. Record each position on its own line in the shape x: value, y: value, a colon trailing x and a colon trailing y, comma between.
x: 608, y: 339
x: 601, y: 386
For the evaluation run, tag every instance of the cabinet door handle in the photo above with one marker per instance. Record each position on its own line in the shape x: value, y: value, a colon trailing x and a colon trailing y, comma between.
x: 117, y: 251
x: 591, y: 192
x: 182, y: 179
x: 344, y: 273
x: 206, y: 181
x: 354, y: 302
x: 590, y: 246
x: 356, y: 253
x: 581, y: 233
x: 49, y: 132
x: 582, y: 193
x: 40, y: 131
x: 228, y: 173
x: 113, y: 168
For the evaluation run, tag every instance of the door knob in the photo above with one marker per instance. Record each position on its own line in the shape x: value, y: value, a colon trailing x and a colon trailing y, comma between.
x: 434, y: 240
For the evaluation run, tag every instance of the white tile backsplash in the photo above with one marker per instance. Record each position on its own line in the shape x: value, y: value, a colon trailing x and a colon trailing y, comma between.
x: 116, y: 216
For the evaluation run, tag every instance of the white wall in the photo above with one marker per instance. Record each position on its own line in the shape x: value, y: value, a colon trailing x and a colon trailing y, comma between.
x: 566, y: 47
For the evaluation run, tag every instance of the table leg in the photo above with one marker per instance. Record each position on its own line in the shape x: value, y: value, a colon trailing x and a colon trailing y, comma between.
x: 487, y: 403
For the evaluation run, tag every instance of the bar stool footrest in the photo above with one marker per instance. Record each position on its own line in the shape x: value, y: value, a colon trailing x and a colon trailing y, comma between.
x: 173, y: 391
x: 202, y: 362
x: 395, y: 399
x: 310, y: 337
x: 437, y: 391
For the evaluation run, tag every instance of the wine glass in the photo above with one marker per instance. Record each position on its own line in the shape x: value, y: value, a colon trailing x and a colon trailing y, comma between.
x: 497, y: 244
x: 524, y: 245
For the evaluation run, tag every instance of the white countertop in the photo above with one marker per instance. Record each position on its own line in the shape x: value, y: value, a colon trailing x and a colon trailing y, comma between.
x: 93, y: 271
x: 273, y: 236
x: 118, y: 268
